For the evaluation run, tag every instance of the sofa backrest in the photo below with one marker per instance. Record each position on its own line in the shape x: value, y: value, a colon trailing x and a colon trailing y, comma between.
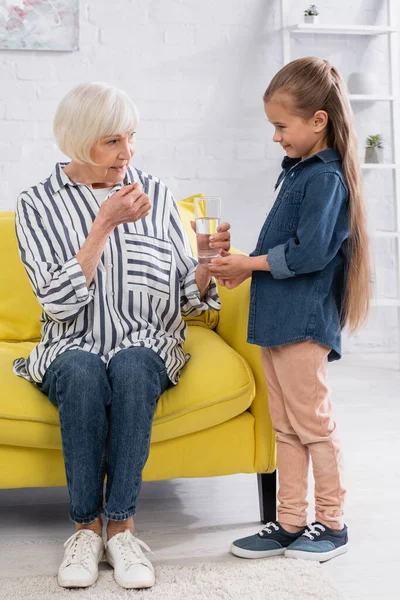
x: 19, y: 310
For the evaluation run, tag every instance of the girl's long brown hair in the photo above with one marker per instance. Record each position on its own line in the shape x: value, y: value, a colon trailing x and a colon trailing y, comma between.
x: 314, y: 85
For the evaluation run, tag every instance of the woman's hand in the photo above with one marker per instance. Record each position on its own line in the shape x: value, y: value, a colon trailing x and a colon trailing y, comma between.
x: 127, y: 205
x: 220, y: 240
x: 203, y: 278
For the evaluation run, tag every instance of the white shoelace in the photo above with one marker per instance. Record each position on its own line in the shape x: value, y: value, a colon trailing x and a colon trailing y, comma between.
x: 129, y: 546
x: 314, y: 529
x: 268, y: 528
x: 78, y: 549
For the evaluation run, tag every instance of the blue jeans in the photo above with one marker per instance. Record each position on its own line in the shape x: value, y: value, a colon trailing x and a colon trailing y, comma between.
x: 106, y: 416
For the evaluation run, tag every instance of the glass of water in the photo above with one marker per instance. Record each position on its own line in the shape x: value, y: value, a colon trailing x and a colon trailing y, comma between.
x: 207, y: 211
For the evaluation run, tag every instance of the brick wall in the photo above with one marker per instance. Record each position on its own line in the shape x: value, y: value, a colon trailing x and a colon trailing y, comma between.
x: 197, y: 71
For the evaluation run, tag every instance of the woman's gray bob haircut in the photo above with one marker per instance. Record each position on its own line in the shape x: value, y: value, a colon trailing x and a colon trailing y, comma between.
x: 89, y: 112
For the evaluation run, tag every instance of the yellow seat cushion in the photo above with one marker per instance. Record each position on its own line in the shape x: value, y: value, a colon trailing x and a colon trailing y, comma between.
x: 27, y: 417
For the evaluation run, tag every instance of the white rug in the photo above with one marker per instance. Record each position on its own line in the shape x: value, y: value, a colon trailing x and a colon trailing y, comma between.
x: 272, y: 579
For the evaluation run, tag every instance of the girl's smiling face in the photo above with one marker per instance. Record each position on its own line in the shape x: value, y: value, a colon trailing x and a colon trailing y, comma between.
x: 299, y: 137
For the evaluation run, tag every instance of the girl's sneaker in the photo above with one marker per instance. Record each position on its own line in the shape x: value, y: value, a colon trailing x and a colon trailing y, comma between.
x: 270, y: 541
x: 319, y: 542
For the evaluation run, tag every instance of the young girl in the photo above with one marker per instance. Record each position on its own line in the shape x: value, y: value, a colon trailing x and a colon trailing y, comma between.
x: 310, y: 278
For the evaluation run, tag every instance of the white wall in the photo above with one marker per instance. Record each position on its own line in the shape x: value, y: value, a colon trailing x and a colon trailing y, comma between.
x: 197, y: 71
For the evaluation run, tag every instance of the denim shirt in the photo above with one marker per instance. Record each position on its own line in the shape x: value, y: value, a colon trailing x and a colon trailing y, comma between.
x: 305, y: 237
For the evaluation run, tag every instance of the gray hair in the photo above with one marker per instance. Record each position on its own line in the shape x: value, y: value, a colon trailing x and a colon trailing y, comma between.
x: 89, y: 112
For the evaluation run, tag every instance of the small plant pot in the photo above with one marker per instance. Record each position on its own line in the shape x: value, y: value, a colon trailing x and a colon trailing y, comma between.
x: 311, y: 19
x: 374, y: 155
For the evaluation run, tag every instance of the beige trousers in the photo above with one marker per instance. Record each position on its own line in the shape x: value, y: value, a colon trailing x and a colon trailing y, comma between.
x: 301, y: 413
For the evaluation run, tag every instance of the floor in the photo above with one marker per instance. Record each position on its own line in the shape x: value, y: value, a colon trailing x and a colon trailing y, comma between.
x: 195, y: 520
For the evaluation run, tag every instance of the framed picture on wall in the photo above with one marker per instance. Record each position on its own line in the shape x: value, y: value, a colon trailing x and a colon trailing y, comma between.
x: 39, y: 25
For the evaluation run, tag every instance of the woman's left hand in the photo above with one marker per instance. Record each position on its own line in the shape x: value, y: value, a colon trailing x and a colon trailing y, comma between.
x: 220, y: 240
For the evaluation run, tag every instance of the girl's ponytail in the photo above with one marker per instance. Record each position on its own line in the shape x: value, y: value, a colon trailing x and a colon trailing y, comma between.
x: 344, y: 139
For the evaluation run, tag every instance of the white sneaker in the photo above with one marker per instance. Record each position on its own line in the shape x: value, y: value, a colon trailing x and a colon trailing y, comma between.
x: 80, y: 567
x: 131, y: 568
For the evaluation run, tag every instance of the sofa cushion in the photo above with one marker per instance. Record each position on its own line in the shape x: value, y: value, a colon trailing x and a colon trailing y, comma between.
x: 19, y: 309
x: 216, y: 385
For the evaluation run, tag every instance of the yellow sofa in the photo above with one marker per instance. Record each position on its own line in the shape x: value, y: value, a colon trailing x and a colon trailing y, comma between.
x: 215, y: 422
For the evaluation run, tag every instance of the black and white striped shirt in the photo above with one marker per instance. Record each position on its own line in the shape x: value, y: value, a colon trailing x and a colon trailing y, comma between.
x: 144, y: 283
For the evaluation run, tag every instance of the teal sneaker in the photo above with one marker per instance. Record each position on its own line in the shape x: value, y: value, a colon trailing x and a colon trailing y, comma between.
x: 319, y: 542
x: 270, y: 541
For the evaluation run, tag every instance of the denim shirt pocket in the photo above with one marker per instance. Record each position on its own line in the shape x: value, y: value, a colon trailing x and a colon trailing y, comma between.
x: 286, y: 215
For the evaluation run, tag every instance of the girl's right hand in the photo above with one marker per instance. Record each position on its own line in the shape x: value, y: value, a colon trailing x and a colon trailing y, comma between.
x: 127, y: 205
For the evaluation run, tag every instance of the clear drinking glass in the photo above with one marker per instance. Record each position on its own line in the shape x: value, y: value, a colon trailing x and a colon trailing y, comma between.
x: 207, y: 211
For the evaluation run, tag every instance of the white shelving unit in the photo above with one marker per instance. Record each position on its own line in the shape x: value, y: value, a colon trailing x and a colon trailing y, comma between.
x: 379, y: 166
x: 371, y: 98
x: 391, y: 30
x: 310, y: 28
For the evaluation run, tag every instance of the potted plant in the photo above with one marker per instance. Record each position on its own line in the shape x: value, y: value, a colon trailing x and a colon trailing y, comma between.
x: 311, y: 14
x: 374, y: 149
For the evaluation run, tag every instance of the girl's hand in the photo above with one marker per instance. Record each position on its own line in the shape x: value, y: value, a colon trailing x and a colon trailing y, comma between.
x: 232, y: 266
x: 234, y: 281
x: 203, y: 275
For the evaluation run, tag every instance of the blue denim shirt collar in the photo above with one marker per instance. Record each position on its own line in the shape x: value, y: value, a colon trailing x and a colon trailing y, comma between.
x: 326, y: 156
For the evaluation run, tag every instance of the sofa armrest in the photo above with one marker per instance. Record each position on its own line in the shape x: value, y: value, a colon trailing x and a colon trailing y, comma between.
x: 232, y: 327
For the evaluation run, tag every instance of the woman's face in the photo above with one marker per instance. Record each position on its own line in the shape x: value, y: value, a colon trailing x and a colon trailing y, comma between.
x: 112, y: 155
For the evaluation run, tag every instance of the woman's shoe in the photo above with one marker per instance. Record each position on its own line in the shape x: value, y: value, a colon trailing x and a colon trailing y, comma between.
x: 80, y: 566
x: 132, y: 570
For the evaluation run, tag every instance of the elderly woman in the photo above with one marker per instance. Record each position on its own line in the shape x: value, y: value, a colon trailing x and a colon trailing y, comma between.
x: 106, y: 254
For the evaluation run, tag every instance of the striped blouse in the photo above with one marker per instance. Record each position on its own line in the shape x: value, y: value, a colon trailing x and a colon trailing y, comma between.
x: 144, y: 283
